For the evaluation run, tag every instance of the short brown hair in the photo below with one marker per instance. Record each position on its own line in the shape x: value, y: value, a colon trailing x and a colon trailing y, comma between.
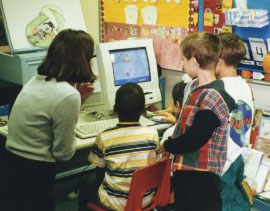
x: 178, y: 92
x: 203, y: 46
x: 233, y: 49
x: 68, y: 57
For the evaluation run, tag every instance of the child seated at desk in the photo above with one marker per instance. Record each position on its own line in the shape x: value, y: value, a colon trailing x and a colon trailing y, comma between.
x: 119, y: 151
x: 171, y: 114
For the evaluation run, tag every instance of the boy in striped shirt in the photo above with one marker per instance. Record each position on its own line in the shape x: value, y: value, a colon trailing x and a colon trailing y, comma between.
x: 119, y: 151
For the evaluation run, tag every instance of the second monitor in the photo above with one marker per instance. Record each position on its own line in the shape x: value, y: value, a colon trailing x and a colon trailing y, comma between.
x: 128, y: 61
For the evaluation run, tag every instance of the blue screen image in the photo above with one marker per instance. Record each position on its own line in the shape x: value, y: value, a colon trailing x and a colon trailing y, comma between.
x: 130, y: 65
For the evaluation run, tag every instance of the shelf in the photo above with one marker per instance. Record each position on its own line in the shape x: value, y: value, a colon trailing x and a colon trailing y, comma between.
x: 260, y: 82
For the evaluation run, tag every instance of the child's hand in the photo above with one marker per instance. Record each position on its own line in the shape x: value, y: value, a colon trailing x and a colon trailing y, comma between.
x: 168, y: 117
x: 161, y: 150
x: 85, y: 89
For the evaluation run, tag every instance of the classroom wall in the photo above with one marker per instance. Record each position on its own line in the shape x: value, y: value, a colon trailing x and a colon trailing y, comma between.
x: 171, y: 78
x: 91, y: 15
x: 90, y: 10
x: 260, y: 91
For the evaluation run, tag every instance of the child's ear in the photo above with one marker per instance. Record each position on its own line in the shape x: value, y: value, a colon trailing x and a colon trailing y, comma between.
x: 220, y: 66
x: 221, y: 62
x: 195, y: 63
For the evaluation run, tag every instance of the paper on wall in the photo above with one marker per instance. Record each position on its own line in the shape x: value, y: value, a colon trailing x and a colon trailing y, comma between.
x: 226, y: 5
x: 261, y: 177
x: 131, y: 14
x: 208, y: 19
x: 149, y: 15
x: 42, y: 30
x: 252, y: 165
x: 241, y: 4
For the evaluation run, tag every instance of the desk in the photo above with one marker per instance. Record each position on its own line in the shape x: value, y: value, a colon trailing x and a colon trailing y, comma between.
x: 79, y: 162
x: 88, y: 142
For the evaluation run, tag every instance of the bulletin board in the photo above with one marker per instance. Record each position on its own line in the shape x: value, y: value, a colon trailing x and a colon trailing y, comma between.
x: 214, y: 15
x: 166, y: 22
x: 257, y: 40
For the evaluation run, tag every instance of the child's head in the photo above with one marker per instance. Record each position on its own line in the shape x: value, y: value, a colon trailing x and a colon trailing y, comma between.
x: 200, y: 50
x: 232, y: 52
x: 129, y: 102
x: 68, y: 57
x: 178, y: 95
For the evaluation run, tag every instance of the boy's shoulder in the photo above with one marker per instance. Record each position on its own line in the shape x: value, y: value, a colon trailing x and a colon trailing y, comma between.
x: 235, y: 82
x: 215, y: 90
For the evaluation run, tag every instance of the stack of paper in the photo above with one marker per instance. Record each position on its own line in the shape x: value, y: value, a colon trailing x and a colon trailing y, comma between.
x: 247, y: 17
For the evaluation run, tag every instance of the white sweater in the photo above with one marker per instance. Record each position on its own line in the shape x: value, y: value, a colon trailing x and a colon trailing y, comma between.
x: 240, y: 120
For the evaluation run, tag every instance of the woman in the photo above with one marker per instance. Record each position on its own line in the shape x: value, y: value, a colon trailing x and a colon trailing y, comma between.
x: 42, y: 123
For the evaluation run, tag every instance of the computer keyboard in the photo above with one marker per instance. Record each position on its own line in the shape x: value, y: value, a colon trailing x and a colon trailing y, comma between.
x: 90, y: 129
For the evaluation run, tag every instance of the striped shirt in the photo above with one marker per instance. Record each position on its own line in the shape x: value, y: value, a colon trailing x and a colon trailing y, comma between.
x: 121, y: 151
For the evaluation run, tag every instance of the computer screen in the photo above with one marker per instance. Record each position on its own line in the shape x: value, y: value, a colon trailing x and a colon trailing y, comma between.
x: 95, y: 99
x: 128, y: 61
x: 130, y: 65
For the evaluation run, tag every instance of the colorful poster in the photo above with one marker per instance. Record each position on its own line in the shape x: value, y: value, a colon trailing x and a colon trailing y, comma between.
x: 167, y: 13
x: 166, y: 40
x: 257, y: 41
x: 166, y: 22
x: 166, y: 44
x: 214, y: 15
x: 120, y: 31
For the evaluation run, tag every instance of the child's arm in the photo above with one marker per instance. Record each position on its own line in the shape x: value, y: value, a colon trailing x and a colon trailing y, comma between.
x: 204, y: 124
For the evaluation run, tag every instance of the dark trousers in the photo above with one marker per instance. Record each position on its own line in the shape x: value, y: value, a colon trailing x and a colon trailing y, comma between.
x: 25, y: 184
x: 196, y: 191
x: 88, y: 192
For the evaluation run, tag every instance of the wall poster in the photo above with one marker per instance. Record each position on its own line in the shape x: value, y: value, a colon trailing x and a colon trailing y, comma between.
x: 166, y: 22
x: 214, y: 15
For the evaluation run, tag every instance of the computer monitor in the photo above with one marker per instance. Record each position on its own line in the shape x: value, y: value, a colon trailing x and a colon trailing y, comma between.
x: 128, y: 61
x: 95, y: 99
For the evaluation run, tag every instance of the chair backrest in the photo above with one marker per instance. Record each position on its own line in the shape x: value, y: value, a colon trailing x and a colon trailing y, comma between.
x: 157, y: 176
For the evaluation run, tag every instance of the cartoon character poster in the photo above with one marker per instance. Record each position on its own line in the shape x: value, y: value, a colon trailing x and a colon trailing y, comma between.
x: 42, y: 30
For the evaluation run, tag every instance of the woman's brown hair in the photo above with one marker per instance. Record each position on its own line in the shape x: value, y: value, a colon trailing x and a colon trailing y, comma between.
x: 68, y: 58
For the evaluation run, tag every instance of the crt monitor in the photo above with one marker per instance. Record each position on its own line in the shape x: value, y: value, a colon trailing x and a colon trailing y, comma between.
x: 128, y: 61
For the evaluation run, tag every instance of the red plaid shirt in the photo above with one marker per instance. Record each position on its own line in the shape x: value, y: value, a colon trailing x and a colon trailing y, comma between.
x: 212, y: 156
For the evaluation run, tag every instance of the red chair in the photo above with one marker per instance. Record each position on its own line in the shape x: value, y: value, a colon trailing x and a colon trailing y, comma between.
x: 157, y: 176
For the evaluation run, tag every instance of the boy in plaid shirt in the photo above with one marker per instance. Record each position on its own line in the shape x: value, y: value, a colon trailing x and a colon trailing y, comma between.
x: 200, y: 138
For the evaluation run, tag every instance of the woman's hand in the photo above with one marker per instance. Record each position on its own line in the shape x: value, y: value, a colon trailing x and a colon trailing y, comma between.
x: 85, y: 89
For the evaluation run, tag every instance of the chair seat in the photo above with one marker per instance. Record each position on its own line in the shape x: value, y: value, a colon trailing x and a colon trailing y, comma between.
x: 93, y: 206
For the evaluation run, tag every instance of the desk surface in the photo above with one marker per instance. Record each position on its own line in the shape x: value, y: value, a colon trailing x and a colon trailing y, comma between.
x: 88, y: 142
